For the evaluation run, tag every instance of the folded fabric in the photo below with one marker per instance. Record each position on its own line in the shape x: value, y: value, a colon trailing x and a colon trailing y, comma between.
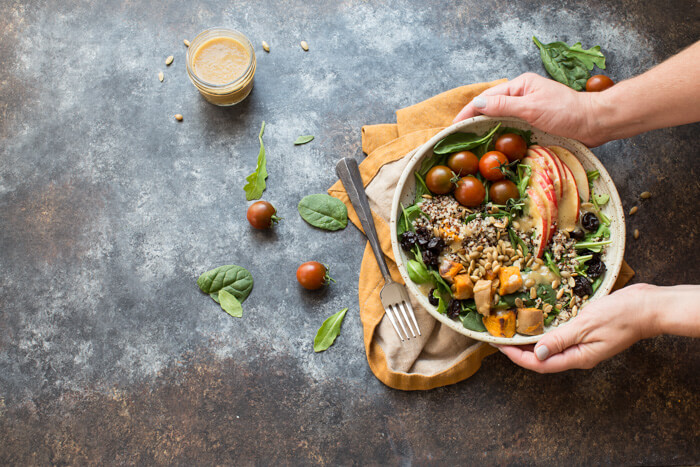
x: 440, y: 356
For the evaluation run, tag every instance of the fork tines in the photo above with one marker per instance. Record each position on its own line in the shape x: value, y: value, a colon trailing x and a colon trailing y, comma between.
x: 392, y: 311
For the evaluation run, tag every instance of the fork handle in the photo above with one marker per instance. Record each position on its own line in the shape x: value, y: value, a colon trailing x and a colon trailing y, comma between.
x: 349, y: 174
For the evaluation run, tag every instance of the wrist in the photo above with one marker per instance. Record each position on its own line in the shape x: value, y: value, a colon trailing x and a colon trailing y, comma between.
x: 601, y: 121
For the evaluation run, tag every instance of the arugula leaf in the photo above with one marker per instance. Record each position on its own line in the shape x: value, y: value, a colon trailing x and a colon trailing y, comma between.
x: 462, y: 141
x: 596, y: 283
x: 229, y: 304
x: 592, y: 175
x: 473, y: 321
x: 233, y: 279
x: 408, y: 215
x: 421, y: 188
x: 323, y: 211
x: 515, y: 240
x: 524, y: 174
x: 256, y: 181
x: 551, y: 264
x: 590, y: 57
x: 549, y: 319
x: 442, y: 305
x: 303, y: 140
x: 602, y: 200
x: 564, y: 64
x: 593, y: 246
x: 329, y: 330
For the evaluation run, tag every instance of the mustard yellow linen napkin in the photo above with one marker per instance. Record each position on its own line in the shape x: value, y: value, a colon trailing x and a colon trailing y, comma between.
x: 440, y: 356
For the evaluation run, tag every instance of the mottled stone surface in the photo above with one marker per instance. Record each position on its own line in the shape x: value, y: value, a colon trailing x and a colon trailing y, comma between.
x: 110, y: 209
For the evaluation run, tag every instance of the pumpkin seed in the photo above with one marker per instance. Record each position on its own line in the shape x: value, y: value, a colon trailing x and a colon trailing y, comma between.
x: 572, y: 282
x: 519, y: 302
x: 160, y: 76
x: 565, y: 274
x: 496, y: 268
x: 633, y: 210
x: 636, y: 234
x: 496, y: 298
x: 516, y: 224
x: 169, y: 60
x: 427, y: 197
x: 186, y: 42
x: 533, y: 293
x: 178, y: 117
x: 266, y: 46
x: 474, y: 254
x: 547, y: 308
x: 558, y: 306
x: 560, y: 294
x: 556, y: 283
x: 305, y: 46
x: 529, y: 283
x: 480, y: 248
x: 645, y: 195
x: 535, y: 266
x: 574, y: 310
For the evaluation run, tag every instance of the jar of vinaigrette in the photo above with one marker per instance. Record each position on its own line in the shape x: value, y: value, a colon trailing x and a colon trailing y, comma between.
x: 221, y: 64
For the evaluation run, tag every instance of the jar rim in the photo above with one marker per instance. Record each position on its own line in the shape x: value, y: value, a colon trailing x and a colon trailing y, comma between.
x: 210, y: 34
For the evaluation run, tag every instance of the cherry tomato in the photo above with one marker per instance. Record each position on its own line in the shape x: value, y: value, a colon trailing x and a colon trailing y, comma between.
x: 312, y: 275
x: 439, y: 180
x: 463, y: 163
x: 598, y: 83
x: 490, y: 163
x: 503, y: 190
x: 470, y: 191
x: 261, y: 215
x: 512, y: 145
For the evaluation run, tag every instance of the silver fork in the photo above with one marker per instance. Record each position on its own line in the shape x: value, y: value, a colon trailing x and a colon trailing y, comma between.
x: 393, y: 295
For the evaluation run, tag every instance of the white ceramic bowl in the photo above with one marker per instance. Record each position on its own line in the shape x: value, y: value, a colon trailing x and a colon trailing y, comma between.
x: 405, y: 192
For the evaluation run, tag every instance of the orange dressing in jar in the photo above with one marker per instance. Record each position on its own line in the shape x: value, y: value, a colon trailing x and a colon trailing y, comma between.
x: 221, y: 64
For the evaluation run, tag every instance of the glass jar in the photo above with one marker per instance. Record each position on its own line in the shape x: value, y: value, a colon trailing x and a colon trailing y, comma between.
x: 239, y: 87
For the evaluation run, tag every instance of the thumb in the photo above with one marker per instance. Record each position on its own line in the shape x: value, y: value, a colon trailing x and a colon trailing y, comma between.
x: 557, y: 341
x: 501, y: 106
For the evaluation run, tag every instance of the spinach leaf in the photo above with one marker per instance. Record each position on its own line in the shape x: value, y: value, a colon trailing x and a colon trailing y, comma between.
x: 596, y: 283
x: 229, y: 304
x: 256, y: 181
x: 590, y: 57
x: 417, y: 272
x: 442, y: 304
x: 440, y: 283
x: 421, y: 188
x: 408, y: 215
x: 463, y: 141
x: 468, y: 305
x: 549, y: 319
x: 329, y: 330
x: 473, y: 321
x: 233, y: 279
x: 547, y: 294
x: 303, y: 140
x: 567, y: 69
x: 510, y: 299
x: 429, y: 163
x: 323, y: 211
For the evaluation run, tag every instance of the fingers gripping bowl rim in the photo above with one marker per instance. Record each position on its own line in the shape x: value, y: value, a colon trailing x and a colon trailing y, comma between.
x: 405, y: 192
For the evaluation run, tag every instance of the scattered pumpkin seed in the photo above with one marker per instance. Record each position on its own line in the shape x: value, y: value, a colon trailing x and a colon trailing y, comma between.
x: 633, y: 210
x: 565, y: 274
x: 266, y: 46
x: 636, y: 234
x: 169, y: 60
x: 556, y: 283
x: 160, y: 76
x: 645, y: 195
x: 560, y: 294
x: 305, y: 46
x: 186, y: 42
x: 178, y: 117
x: 572, y: 282
x: 533, y: 293
x: 547, y: 308
x: 574, y: 310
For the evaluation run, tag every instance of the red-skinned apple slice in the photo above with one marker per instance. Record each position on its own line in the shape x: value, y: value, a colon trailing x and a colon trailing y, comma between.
x: 545, y: 190
x: 553, y: 165
x: 577, y: 170
x: 569, y: 206
x: 538, y: 213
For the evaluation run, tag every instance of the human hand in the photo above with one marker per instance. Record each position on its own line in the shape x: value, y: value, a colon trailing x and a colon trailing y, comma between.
x: 602, y: 329
x: 543, y: 103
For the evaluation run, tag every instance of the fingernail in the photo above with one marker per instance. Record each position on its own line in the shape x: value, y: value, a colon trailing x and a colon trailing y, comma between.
x: 479, y: 102
x: 542, y: 352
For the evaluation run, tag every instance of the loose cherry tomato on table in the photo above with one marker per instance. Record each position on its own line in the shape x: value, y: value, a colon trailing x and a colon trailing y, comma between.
x: 463, y: 163
x: 512, y: 145
x: 490, y: 163
x: 598, y: 83
x: 503, y: 190
x: 439, y: 180
x: 261, y: 215
x: 313, y: 275
x: 470, y: 191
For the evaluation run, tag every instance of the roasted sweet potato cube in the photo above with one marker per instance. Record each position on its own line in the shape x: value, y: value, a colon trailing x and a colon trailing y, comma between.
x: 449, y: 269
x: 501, y: 323
x: 510, y: 279
x: 462, y: 287
x: 530, y: 321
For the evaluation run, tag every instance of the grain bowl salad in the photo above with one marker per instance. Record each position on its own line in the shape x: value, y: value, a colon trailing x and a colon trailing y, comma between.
x: 505, y: 235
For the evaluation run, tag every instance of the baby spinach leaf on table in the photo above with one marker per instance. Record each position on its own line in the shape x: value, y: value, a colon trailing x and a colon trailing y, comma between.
x: 256, y: 181
x: 329, y: 330
x: 590, y: 57
x: 463, y: 141
x: 229, y: 304
x: 234, y: 279
x: 473, y: 321
x: 567, y: 69
x: 303, y: 139
x: 323, y: 211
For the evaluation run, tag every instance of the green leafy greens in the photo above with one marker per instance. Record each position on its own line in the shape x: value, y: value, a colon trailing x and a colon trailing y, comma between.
x: 570, y: 65
x: 473, y: 320
x: 256, y: 181
x: 303, y: 139
x: 235, y: 280
x: 229, y: 304
x: 323, y: 211
x: 462, y: 141
x: 329, y: 330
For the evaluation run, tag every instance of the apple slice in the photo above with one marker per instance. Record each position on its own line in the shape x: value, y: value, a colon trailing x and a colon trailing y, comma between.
x: 537, y: 220
x: 569, y: 206
x: 553, y: 165
x: 576, y: 169
x: 545, y: 190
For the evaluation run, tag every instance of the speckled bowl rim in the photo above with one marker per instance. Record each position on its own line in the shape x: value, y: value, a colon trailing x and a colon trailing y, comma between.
x: 405, y: 190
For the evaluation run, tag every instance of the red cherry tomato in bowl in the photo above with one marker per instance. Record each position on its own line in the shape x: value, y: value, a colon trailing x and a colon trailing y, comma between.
x: 463, y: 163
x: 261, y: 215
x: 512, y: 145
x: 598, y: 83
x: 313, y: 275
x: 470, y: 191
x: 439, y: 180
x: 503, y: 190
x: 490, y: 164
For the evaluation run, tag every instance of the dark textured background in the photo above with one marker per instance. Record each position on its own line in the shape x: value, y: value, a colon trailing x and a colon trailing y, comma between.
x: 109, y: 210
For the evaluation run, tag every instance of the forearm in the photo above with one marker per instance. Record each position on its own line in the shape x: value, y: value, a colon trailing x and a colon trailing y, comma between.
x: 673, y: 310
x: 667, y: 95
